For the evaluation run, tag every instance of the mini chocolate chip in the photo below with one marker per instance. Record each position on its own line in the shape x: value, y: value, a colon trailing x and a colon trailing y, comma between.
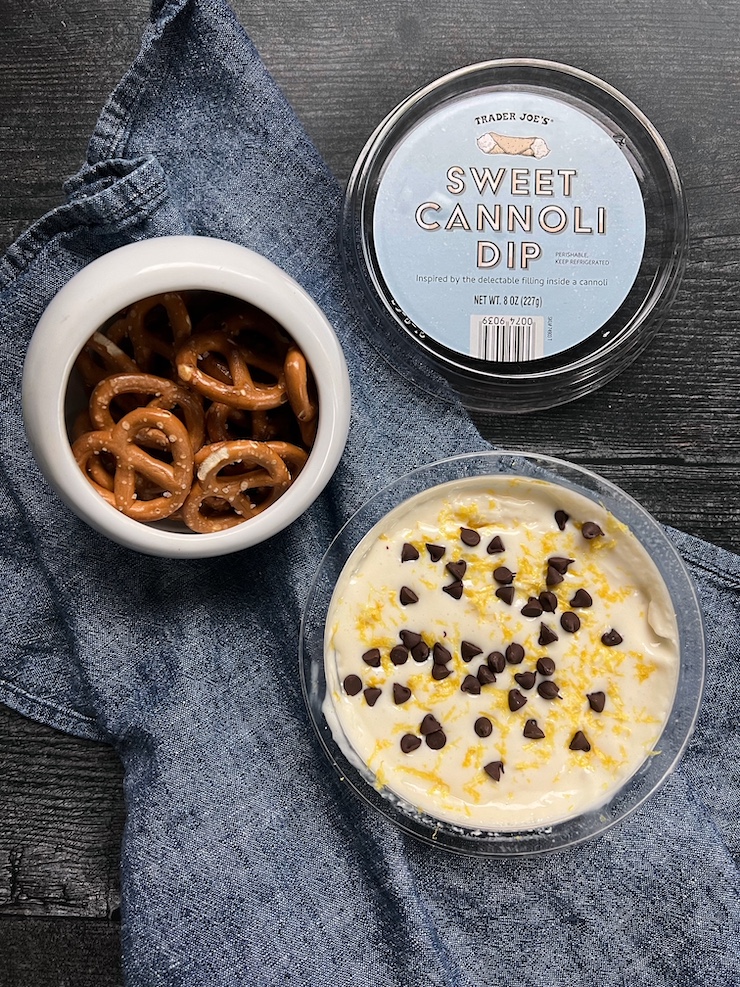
x: 483, y: 726
x: 596, y: 700
x: 372, y: 695
x: 407, y: 596
x: 409, y: 553
x: 495, y: 545
x: 401, y: 693
x: 468, y: 651
x: 469, y: 537
x: 545, y: 665
x: 560, y: 563
x: 548, y: 690
x: 611, y: 638
x: 579, y: 742
x: 399, y: 654
x: 561, y: 519
x: 532, y: 731
x: 525, y: 679
x: 532, y: 608
x: 502, y: 574
x: 435, y: 552
x: 372, y: 658
x: 570, y: 621
x: 436, y: 740
x: 440, y: 672
x: 590, y: 529
x: 485, y: 675
x: 548, y: 601
x: 410, y: 743
x: 581, y: 599
x: 410, y: 638
x: 505, y: 593
x: 553, y: 577
x: 429, y: 724
x: 352, y: 685
x: 516, y: 700
x: 494, y: 770
x: 471, y: 685
x: 496, y: 661
x: 547, y: 635
x: 441, y: 654
x: 457, y: 569
x: 455, y: 590
x: 514, y: 653
x: 420, y: 652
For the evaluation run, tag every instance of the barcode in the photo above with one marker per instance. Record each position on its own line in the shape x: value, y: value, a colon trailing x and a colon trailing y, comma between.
x: 507, y: 338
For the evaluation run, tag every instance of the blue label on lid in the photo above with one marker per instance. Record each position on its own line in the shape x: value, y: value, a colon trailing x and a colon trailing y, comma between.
x: 508, y: 226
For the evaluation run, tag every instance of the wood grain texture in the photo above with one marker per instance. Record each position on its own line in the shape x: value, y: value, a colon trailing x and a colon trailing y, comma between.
x: 667, y: 430
x: 38, y: 952
x: 71, y: 867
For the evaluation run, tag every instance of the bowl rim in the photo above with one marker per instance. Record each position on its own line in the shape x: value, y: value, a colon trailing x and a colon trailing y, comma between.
x: 574, y: 830
x: 149, y: 267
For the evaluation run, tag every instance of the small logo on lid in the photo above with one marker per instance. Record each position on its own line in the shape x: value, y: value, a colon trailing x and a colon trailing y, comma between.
x: 528, y: 147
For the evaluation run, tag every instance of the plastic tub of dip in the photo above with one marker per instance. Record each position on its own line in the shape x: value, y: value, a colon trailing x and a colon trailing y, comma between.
x: 502, y: 654
x: 519, y: 229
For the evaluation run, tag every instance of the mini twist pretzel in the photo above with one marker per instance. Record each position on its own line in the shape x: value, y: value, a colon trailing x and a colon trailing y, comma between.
x: 100, y: 357
x: 300, y: 389
x: 146, y: 342
x: 257, y: 330
x: 173, y: 480
x: 264, y: 470
x: 298, y: 386
x: 164, y: 394
x: 293, y: 456
x: 223, y: 424
x: 243, y: 391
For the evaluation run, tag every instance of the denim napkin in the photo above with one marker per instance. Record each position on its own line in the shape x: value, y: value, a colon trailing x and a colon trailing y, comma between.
x: 245, y: 862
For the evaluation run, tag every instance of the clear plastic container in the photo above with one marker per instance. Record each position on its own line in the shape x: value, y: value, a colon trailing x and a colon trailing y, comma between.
x: 472, y: 839
x: 519, y: 229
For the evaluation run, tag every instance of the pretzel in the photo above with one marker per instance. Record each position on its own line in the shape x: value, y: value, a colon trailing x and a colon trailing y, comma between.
x: 164, y: 394
x: 101, y: 468
x: 80, y: 425
x: 243, y: 391
x: 170, y: 481
x: 297, y: 383
x: 100, y: 357
x: 265, y: 471
x: 300, y: 388
x: 146, y: 343
x: 238, y: 383
x: 223, y: 424
x: 293, y: 456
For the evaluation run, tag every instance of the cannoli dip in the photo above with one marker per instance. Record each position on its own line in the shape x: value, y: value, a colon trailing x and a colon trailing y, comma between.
x: 501, y: 654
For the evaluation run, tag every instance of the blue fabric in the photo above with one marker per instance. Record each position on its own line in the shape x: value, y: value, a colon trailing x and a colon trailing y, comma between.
x: 244, y: 860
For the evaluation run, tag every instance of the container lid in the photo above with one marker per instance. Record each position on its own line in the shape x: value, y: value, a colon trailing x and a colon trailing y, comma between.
x: 519, y: 228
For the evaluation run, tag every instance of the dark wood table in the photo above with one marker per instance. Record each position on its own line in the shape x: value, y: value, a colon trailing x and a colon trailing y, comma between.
x: 668, y: 430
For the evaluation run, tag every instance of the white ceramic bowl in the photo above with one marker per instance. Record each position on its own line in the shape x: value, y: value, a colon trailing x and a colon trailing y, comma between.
x: 149, y: 267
